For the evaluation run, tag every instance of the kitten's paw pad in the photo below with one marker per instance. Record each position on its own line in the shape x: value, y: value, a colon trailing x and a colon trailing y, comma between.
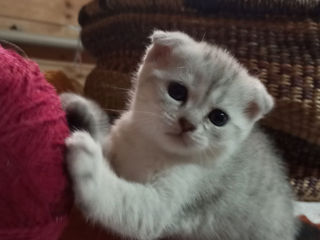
x: 83, y: 155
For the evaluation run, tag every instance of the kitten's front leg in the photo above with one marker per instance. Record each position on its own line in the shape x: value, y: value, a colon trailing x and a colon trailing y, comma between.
x: 101, y: 195
x: 142, y: 211
x: 86, y: 165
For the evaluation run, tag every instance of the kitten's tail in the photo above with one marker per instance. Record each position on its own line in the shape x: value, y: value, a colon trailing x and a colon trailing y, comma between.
x: 308, y: 232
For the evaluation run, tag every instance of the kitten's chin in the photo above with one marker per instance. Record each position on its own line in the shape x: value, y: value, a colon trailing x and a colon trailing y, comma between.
x: 181, y: 143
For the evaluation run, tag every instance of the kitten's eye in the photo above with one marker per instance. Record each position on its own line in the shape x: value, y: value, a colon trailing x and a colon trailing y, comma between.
x: 177, y: 91
x: 218, y: 117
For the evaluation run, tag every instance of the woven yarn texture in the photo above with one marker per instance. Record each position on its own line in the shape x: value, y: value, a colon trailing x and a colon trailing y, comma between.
x: 35, y: 197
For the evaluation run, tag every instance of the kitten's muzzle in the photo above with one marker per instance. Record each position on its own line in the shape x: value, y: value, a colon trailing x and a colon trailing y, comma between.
x: 185, y: 125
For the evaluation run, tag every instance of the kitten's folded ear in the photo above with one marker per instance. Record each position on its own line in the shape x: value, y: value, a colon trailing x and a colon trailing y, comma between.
x: 162, y: 44
x: 170, y: 39
x: 261, y: 103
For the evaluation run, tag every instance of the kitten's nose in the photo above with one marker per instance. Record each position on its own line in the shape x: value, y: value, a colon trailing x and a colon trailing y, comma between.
x: 185, y: 125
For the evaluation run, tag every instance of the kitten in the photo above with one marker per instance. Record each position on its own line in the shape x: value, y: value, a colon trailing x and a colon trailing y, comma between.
x: 186, y: 159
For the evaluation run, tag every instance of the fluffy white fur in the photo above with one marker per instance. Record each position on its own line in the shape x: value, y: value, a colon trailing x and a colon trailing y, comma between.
x: 146, y: 180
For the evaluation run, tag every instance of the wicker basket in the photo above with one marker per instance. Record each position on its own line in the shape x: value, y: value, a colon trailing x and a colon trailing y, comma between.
x: 277, y: 40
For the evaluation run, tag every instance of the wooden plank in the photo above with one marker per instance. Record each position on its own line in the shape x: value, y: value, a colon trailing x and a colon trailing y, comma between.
x: 56, y: 54
x: 59, y: 12
x: 40, y: 28
x: 40, y: 40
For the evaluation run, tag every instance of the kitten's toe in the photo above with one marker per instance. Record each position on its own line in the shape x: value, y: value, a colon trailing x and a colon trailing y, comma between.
x: 81, y: 141
x: 83, y: 154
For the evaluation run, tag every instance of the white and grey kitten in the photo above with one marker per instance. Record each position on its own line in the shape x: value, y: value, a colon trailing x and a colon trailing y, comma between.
x: 185, y: 160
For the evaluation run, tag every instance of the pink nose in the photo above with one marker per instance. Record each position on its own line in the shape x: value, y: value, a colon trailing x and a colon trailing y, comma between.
x: 185, y: 125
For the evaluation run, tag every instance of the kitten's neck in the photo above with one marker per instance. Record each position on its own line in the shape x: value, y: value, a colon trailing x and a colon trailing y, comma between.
x: 136, y: 157
x: 132, y: 155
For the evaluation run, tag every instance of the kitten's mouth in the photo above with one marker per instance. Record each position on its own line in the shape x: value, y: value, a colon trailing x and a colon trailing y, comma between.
x: 180, y: 137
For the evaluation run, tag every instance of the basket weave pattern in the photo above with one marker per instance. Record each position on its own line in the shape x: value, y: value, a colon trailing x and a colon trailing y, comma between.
x: 282, y: 50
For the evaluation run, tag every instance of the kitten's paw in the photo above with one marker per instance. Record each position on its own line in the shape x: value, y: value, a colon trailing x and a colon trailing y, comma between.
x: 87, y: 168
x: 84, y: 156
x: 69, y: 98
x: 78, y: 112
x: 84, y: 114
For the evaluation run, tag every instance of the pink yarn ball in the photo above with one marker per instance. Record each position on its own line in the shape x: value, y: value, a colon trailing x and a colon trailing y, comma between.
x: 35, y: 197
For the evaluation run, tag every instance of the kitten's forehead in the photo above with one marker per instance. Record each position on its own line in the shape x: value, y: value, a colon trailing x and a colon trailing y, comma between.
x: 214, y: 64
x: 208, y: 69
x: 209, y: 72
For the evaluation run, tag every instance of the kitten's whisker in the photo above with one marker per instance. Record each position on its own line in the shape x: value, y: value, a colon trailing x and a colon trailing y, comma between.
x: 124, y: 110
x: 169, y: 117
x: 114, y: 110
x: 147, y: 112
x: 203, y: 36
x: 150, y: 113
x: 97, y: 124
x: 118, y: 88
